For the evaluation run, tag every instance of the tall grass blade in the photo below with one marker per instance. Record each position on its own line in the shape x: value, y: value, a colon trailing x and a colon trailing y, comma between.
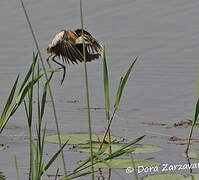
x: 16, y: 166
x: 22, y: 93
x: 30, y: 71
x: 196, y: 112
x: 196, y: 107
x: 43, y: 101
x: 134, y: 167
x: 8, y: 104
x: 9, y: 109
x: 26, y: 109
x: 122, y: 84
x: 46, y: 76
x: 31, y: 95
x: 106, y: 94
x: 54, y: 156
x: 38, y: 126
x: 82, y: 164
x: 118, y: 91
x: 120, y: 153
x: 87, y: 93
x: 56, y: 175
x: 33, y: 171
x: 115, y: 154
x: 106, y: 83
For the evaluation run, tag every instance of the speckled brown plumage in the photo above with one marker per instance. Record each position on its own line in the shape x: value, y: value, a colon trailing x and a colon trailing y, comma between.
x: 68, y: 45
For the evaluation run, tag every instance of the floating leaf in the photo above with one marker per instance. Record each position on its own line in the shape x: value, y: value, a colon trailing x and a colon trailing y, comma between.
x: 192, y: 177
x: 193, y: 154
x: 165, y: 177
x: 78, y: 138
x: 124, y: 163
x: 139, y: 148
x: 146, y: 148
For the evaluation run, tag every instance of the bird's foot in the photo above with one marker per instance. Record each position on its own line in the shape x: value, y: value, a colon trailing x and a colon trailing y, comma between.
x: 63, y: 77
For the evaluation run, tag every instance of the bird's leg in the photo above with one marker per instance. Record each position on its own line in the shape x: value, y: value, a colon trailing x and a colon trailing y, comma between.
x: 63, y: 67
x: 50, y: 67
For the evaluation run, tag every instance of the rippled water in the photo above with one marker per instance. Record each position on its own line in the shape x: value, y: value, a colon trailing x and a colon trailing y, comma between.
x: 165, y: 36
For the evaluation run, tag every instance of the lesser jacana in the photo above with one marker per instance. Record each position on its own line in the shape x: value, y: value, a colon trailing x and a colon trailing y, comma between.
x: 69, y: 46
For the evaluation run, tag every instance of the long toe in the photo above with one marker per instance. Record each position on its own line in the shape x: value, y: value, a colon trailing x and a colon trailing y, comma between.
x: 63, y: 77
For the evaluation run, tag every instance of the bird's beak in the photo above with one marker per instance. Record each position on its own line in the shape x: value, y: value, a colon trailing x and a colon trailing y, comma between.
x: 79, y: 40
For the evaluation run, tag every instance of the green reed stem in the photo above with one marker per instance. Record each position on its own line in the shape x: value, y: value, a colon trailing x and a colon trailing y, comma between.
x: 196, y: 112
x: 49, y: 88
x: 16, y: 166
x: 87, y: 93
x: 134, y: 167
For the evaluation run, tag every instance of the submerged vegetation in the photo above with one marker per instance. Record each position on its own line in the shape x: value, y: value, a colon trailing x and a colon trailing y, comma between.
x: 105, y: 152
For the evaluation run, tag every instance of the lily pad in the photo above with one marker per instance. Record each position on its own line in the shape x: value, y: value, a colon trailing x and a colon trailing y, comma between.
x: 124, y: 163
x: 139, y: 148
x: 146, y: 148
x: 79, y: 138
x: 165, y: 177
x: 192, y: 177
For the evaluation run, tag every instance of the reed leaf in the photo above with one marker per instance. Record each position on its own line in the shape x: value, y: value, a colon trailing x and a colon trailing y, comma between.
x: 26, y: 88
x: 30, y: 71
x: 120, y: 151
x: 43, y: 101
x: 8, y: 104
x: 134, y: 167
x: 196, y: 112
x: 106, y: 83
x: 122, y: 84
x: 10, y: 108
x: 87, y: 90
x: 54, y: 157
x: 83, y: 163
x: 46, y: 76
x: 17, y: 168
x: 30, y: 93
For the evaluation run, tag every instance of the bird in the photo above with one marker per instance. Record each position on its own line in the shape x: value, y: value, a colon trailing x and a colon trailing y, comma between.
x: 68, y: 45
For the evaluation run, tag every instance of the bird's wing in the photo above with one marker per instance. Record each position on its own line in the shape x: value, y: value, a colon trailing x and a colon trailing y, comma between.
x: 92, y: 45
x: 69, y: 52
x: 79, y: 32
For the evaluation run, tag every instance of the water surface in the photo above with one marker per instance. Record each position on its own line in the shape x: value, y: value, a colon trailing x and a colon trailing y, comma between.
x: 165, y: 36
